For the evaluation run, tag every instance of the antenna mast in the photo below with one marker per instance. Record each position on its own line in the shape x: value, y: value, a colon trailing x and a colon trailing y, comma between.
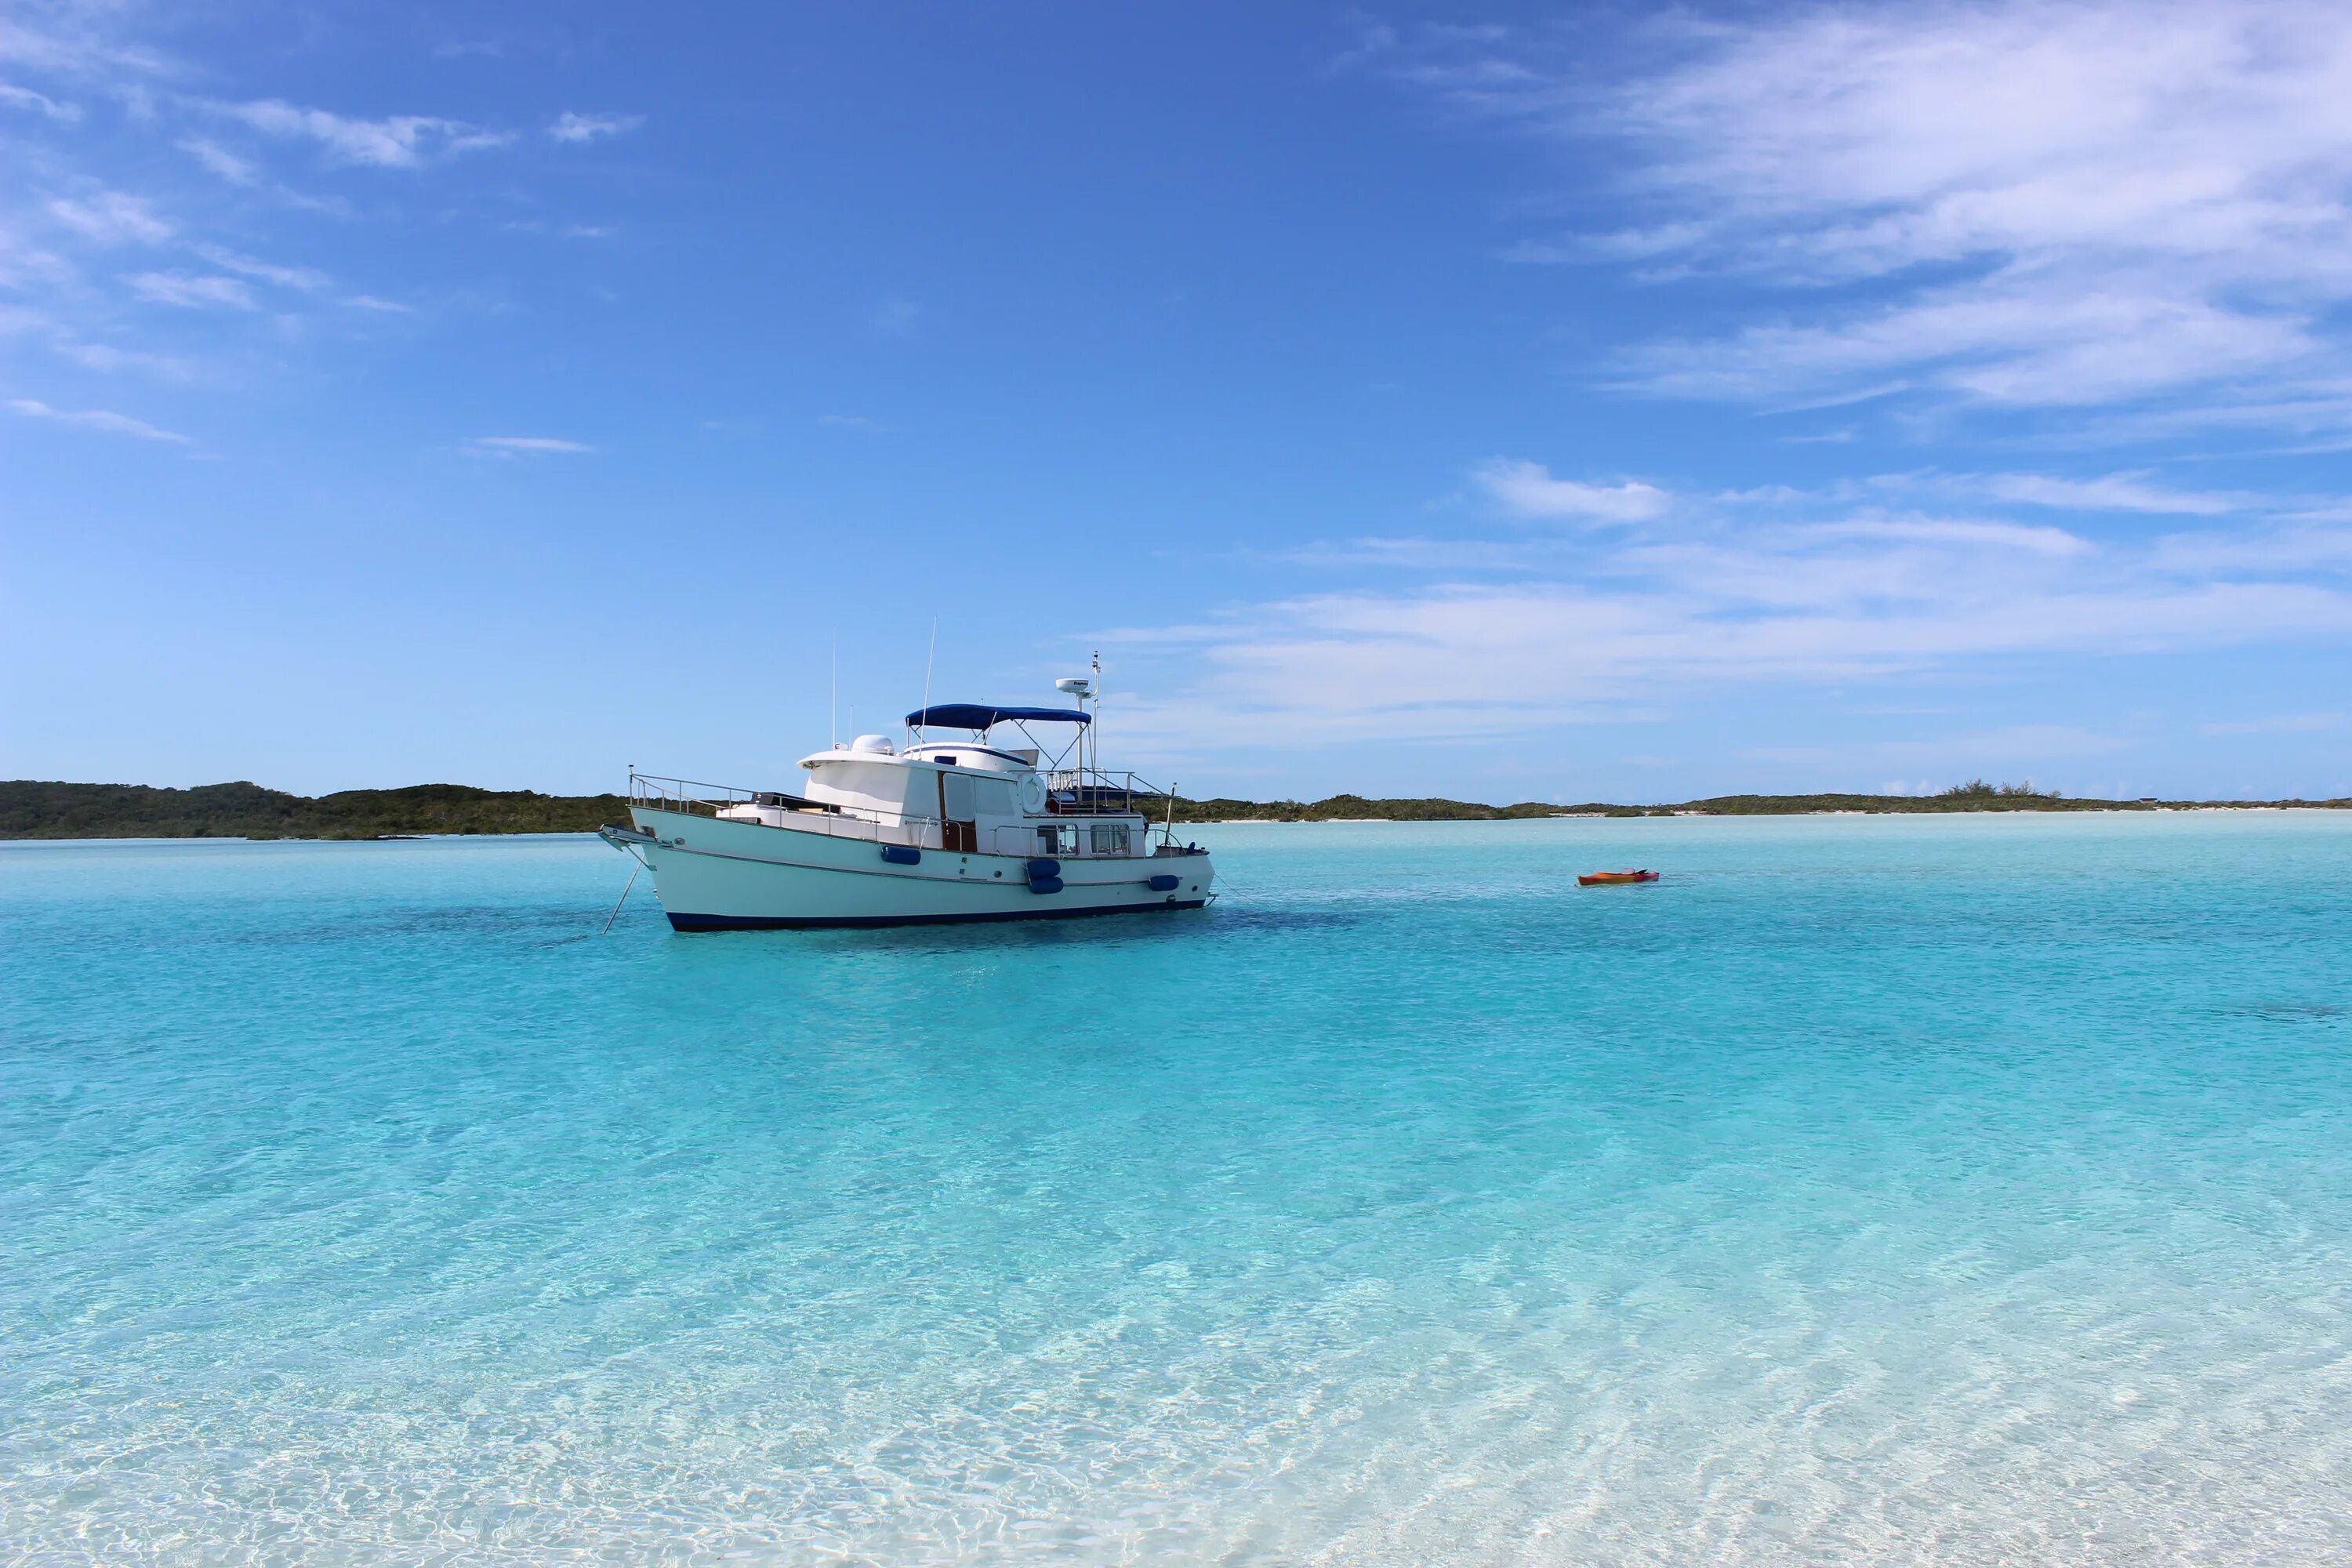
x: 931, y: 659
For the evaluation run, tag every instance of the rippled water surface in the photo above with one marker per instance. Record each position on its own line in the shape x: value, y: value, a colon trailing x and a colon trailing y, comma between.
x: 1961, y: 1190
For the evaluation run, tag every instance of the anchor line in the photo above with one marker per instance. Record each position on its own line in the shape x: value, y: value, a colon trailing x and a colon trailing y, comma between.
x: 622, y: 900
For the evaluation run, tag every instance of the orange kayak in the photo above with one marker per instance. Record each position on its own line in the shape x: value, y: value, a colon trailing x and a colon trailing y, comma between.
x: 1599, y: 879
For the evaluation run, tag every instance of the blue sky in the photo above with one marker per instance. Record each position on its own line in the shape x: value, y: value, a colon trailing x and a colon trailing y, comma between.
x: 1506, y: 403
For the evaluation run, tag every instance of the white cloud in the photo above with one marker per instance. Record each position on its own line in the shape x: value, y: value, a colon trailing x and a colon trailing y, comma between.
x: 108, y: 358
x: 895, y: 318
x: 2115, y: 493
x: 39, y: 102
x: 96, y: 419
x: 111, y: 218
x: 1528, y: 490
x: 513, y: 446
x: 569, y: 127
x: 222, y: 162
x: 1463, y: 661
x: 396, y: 141
x: 304, y: 279
x: 73, y: 40
x: 193, y: 293
x: 2071, y: 202
x: 1959, y: 531
x: 1715, y: 599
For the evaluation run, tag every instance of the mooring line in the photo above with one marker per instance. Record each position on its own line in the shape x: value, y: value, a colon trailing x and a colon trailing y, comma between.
x: 622, y: 900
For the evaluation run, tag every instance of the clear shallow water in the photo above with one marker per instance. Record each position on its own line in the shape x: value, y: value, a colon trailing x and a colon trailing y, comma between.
x: 1870, y: 1190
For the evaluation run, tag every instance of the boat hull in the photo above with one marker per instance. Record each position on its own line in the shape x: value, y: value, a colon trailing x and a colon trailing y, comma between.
x: 713, y: 875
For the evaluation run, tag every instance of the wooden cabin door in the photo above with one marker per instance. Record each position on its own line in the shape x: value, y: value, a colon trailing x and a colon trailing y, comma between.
x: 959, y: 830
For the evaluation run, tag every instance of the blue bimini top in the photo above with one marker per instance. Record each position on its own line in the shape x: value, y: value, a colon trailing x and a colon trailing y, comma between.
x: 980, y: 715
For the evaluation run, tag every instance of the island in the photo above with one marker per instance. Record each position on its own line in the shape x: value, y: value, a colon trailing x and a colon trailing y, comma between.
x: 40, y: 809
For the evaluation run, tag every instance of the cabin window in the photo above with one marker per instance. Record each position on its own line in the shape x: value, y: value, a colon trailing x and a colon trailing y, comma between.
x: 995, y: 798
x: 1109, y: 838
x: 955, y: 791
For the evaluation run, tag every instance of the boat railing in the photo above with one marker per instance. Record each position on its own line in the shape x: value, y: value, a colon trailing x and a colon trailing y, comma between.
x: 693, y: 797
x: 1095, y: 792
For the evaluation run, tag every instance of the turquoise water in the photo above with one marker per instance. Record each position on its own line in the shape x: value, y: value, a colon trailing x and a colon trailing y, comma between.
x: 1967, y: 1190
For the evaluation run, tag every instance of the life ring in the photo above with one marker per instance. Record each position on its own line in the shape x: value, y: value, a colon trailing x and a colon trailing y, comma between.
x: 1033, y: 794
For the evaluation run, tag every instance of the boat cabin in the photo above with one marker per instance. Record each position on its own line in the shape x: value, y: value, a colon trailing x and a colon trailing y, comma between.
x: 970, y: 796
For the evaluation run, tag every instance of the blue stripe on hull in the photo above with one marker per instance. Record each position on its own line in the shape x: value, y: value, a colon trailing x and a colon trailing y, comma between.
x: 766, y: 923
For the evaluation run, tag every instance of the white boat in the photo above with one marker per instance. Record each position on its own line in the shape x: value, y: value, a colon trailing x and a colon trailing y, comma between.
x: 985, y: 828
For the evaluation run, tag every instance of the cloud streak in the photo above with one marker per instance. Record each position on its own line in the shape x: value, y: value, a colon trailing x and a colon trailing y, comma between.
x: 1526, y: 490
x: 38, y: 102
x: 522, y: 445
x: 111, y: 217
x: 582, y: 127
x: 395, y: 141
x: 99, y: 419
x: 194, y: 293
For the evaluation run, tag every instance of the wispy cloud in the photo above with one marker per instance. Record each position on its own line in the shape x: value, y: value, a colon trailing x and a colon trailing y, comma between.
x: 1528, y: 490
x: 38, y: 102
x: 2124, y: 492
x: 395, y: 141
x: 576, y: 128
x: 108, y: 358
x: 1710, y: 597
x: 302, y: 278
x: 1964, y: 531
x: 2067, y: 204
x: 2114, y: 492
x: 212, y: 293
x: 521, y: 445
x: 222, y: 162
x: 111, y: 217
x: 104, y: 419
x: 895, y: 318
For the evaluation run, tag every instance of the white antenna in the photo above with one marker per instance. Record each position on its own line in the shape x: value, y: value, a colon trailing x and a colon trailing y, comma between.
x: 933, y: 660
x: 836, y: 691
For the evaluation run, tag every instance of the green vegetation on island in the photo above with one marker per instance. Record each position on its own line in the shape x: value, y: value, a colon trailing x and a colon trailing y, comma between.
x: 33, y: 809
x: 1974, y: 796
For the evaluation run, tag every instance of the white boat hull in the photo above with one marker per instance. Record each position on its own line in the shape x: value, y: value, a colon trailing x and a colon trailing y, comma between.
x: 717, y: 875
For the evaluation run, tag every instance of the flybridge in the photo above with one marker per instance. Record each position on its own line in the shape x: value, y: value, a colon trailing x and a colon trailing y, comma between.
x: 982, y: 715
